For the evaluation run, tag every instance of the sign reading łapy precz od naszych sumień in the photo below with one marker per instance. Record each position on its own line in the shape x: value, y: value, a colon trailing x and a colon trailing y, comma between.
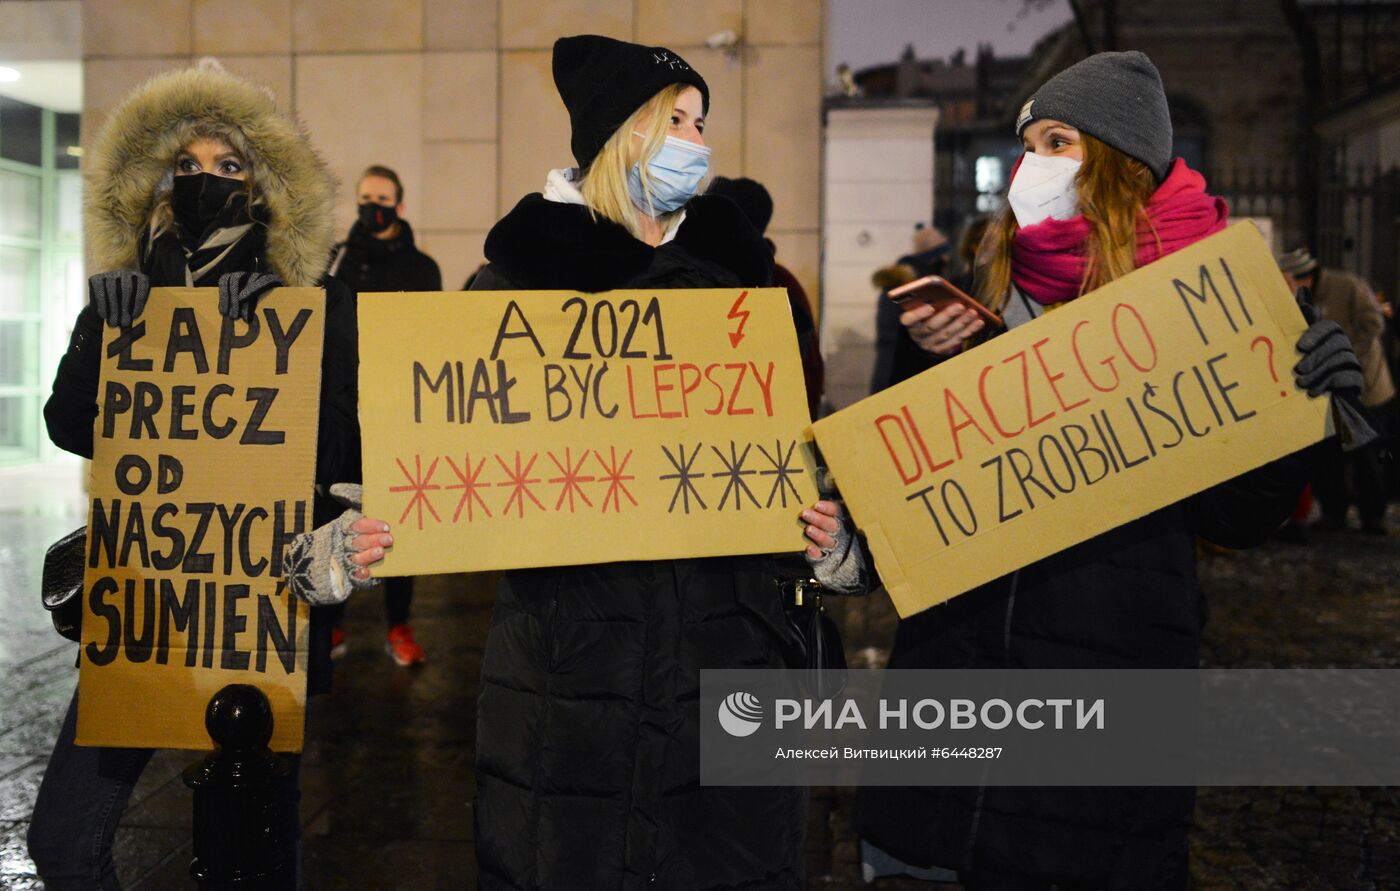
x: 508, y: 429
x: 204, y: 453
x: 1155, y: 387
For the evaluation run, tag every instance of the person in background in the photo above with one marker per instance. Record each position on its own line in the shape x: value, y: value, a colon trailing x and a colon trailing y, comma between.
x: 380, y: 255
x: 471, y: 277
x: 897, y: 357
x: 1346, y: 299
x: 1390, y: 346
x: 757, y: 204
x: 968, y: 245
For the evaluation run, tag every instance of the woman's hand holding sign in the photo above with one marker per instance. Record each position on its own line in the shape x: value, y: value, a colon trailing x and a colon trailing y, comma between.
x: 834, y: 553
x: 1330, y: 366
x: 324, y: 565
x: 823, y: 521
x: 367, y: 547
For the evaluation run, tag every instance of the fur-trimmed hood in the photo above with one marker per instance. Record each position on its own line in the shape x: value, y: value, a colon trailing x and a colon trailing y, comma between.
x: 550, y: 245
x: 132, y: 157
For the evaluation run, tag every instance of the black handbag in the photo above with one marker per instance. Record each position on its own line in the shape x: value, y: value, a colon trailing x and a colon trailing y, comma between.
x: 822, y: 656
x: 62, y: 587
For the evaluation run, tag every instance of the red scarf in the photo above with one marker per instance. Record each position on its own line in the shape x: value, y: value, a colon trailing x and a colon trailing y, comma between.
x: 1048, y: 259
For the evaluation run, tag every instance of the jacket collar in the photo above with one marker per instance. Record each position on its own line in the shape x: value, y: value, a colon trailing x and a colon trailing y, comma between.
x: 552, y: 245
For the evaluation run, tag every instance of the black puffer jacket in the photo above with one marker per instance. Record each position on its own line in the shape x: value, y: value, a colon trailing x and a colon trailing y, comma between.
x: 1128, y: 598
x: 587, y: 763
x: 369, y: 265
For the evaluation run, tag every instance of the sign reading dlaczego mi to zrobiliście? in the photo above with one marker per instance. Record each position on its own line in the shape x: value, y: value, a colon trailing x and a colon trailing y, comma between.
x: 1151, y: 389
x: 544, y: 428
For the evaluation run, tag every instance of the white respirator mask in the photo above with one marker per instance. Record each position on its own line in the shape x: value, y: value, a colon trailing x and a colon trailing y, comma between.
x: 1043, y: 189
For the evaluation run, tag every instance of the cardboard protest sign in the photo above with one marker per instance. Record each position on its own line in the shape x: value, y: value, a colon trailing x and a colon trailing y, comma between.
x: 1148, y: 390
x: 546, y: 428
x: 204, y: 453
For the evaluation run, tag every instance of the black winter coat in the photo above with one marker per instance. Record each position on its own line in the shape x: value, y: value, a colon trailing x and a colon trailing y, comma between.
x: 72, y: 408
x: 587, y: 763
x: 369, y: 265
x: 1128, y: 598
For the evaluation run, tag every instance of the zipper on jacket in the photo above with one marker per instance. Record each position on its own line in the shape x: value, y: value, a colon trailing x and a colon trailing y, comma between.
x: 553, y: 636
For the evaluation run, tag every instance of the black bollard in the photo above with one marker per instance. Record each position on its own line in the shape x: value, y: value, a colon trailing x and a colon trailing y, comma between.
x: 239, y: 814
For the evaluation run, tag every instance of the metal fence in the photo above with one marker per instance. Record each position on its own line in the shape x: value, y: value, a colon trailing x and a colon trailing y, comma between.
x: 1358, y: 210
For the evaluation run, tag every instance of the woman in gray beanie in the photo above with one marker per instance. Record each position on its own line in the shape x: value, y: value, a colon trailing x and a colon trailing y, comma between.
x: 1096, y: 195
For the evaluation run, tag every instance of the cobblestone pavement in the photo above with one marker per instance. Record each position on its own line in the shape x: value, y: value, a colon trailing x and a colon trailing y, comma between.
x: 387, y: 781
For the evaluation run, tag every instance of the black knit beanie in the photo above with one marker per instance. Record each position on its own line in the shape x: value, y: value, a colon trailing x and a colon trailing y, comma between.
x: 753, y: 199
x: 603, y: 81
x: 1115, y: 97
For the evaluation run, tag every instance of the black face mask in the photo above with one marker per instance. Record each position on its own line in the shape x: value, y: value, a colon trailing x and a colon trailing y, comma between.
x: 376, y: 218
x: 196, y: 199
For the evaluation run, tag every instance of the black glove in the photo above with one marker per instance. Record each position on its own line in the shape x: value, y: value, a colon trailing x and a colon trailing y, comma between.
x: 119, y: 297
x: 239, y: 292
x: 1330, y: 366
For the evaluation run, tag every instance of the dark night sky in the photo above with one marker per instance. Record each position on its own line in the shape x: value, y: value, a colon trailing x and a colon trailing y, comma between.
x: 871, y: 32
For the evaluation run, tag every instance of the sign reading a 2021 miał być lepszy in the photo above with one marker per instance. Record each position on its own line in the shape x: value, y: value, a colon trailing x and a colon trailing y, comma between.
x: 1151, y: 389
x: 544, y: 428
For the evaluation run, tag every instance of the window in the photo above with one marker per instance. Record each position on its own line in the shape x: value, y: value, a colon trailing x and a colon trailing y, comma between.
x: 989, y: 175
x: 41, y: 278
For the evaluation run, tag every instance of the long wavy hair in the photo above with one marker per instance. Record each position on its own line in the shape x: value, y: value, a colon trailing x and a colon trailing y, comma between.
x: 1113, y: 190
x: 604, y: 184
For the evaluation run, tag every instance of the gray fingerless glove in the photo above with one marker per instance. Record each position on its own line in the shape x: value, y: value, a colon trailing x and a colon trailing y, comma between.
x: 841, y: 568
x: 119, y: 296
x: 317, y: 564
x: 239, y: 292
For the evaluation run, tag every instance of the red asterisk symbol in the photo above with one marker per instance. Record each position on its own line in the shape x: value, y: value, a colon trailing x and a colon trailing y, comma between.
x: 570, y: 478
x: 420, y: 485
x: 617, y: 483
x: 469, y: 486
x: 519, y: 483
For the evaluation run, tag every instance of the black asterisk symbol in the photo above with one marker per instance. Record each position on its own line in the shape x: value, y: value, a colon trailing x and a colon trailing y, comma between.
x: 685, y: 477
x: 782, y: 470
x: 734, y: 473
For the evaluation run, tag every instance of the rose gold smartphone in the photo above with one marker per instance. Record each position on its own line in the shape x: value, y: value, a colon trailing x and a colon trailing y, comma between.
x: 938, y: 292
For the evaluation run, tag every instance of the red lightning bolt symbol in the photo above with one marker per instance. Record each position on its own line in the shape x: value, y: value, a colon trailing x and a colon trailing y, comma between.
x: 742, y: 315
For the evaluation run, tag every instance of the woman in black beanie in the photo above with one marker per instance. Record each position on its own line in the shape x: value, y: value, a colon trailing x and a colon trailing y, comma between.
x: 587, y: 762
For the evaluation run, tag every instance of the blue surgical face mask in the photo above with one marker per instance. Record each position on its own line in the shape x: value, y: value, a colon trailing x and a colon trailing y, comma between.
x: 674, y: 174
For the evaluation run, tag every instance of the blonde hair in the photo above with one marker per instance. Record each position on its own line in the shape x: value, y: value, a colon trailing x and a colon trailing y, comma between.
x: 604, y: 184
x: 1113, y: 189
x: 162, y: 217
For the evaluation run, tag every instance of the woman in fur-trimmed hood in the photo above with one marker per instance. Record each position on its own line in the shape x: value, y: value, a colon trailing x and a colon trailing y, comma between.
x: 196, y: 179
x: 129, y: 170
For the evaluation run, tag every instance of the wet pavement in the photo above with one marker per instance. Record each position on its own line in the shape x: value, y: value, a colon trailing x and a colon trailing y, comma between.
x: 387, y: 781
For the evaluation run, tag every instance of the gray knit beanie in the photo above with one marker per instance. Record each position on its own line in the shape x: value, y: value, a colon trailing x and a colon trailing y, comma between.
x: 1115, y: 97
